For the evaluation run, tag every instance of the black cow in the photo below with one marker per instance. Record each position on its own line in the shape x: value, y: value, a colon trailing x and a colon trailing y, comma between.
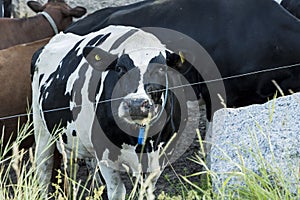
x: 1, y: 8
x: 293, y: 6
x: 241, y: 37
x: 7, y: 8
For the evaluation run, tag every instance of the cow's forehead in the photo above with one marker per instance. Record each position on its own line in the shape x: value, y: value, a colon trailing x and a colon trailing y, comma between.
x: 141, y: 47
x: 142, y: 58
x: 140, y: 40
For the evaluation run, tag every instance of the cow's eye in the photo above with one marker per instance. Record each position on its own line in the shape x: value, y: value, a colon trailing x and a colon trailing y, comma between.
x: 120, y: 70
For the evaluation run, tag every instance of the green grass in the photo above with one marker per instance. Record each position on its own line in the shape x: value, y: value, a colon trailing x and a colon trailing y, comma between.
x: 24, y: 183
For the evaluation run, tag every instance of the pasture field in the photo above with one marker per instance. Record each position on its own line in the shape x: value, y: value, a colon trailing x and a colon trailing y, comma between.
x: 187, y: 178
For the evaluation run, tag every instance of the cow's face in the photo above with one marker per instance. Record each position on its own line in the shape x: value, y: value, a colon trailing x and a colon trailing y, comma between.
x: 145, y: 103
x: 139, y: 78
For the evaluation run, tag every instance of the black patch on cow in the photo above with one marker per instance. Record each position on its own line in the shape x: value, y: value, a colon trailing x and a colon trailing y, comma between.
x: 40, y: 78
x: 126, y: 62
x: 126, y: 66
x: 76, y: 94
x: 74, y: 133
x: 99, y: 39
x: 65, y: 138
x: 121, y: 39
x: 94, y: 85
x: 160, y: 59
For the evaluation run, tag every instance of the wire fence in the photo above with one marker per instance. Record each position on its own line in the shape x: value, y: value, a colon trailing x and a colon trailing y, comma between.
x: 170, y: 88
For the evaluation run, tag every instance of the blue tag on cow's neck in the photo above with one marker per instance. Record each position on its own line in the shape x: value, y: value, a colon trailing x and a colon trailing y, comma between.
x: 141, y: 135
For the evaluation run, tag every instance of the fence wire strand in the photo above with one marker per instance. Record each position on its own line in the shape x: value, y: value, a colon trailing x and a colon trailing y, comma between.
x: 170, y: 88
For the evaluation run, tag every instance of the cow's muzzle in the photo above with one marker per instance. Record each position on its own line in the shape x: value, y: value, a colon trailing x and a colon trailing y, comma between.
x: 136, y: 110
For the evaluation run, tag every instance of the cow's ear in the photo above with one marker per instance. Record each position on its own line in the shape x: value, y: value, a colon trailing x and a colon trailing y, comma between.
x: 76, y: 12
x: 98, y: 58
x: 35, y: 6
x: 176, y: 61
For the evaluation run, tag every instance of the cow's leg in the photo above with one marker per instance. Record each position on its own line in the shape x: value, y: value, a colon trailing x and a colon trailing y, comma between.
x: 44, y: 155
x: 44, y: 149
x: 154, y: 170
x: 94, y: 170
x: 115, y: 187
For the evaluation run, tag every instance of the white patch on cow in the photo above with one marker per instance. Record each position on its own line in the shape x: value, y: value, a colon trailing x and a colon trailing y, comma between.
x: 72, y: 105
x: 114, y: 185
x: 86, y: 115
x: 122, y: 113
x: 98, y: 96
x: 47, y: 94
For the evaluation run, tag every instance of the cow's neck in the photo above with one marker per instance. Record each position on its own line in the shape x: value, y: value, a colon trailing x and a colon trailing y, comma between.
x: 36, y: 28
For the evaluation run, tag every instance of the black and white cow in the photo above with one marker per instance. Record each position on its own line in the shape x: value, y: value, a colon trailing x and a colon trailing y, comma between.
x: 241, y: 37
x: 102, y: 89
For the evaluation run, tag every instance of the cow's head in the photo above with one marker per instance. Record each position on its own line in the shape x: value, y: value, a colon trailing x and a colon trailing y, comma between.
x: 60, y: 12
x: 138, y: 73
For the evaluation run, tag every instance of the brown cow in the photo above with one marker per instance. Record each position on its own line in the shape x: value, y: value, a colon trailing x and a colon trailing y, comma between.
x: 54, y: 16
x: 16, y: 86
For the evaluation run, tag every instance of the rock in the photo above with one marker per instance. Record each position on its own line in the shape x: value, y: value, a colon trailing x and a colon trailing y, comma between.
x: 258, y: 137
x: 20, y: 9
